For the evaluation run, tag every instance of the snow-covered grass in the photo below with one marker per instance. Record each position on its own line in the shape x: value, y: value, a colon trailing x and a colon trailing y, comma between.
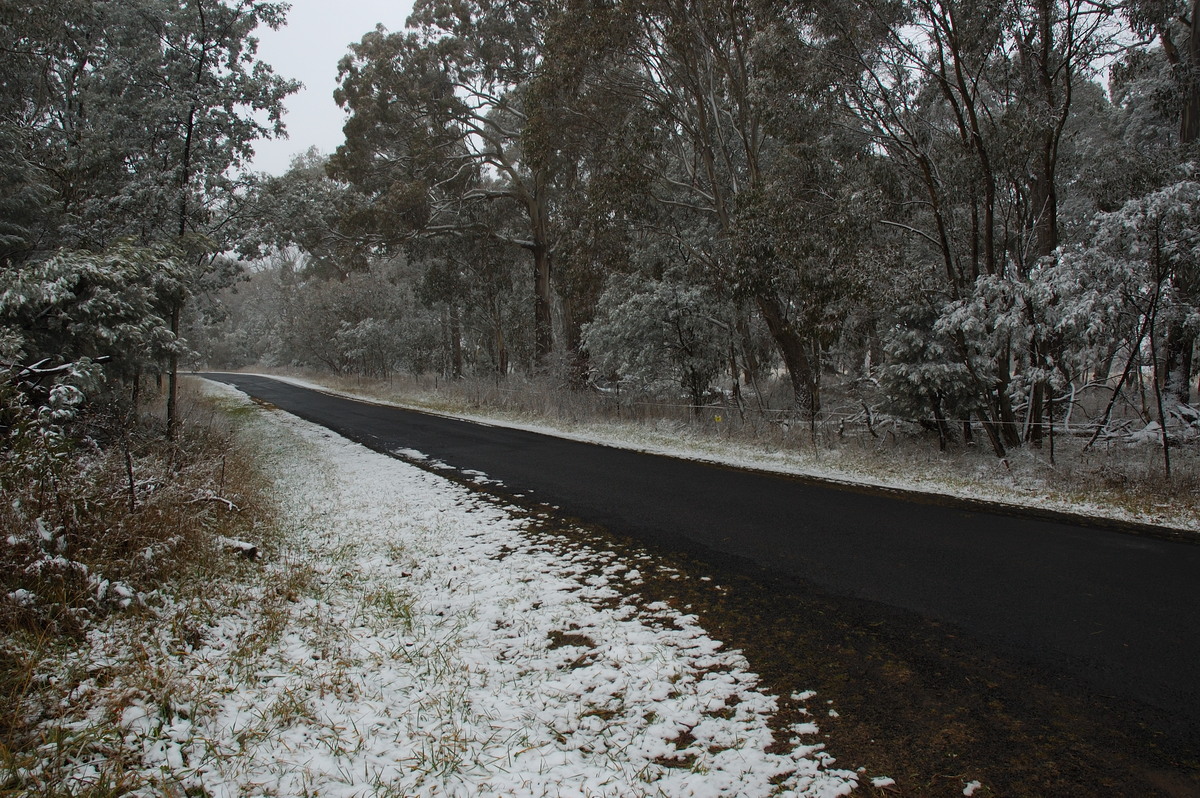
x: 1120, y: 481
x: 402, y: 636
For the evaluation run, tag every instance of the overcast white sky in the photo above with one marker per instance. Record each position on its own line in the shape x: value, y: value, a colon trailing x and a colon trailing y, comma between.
x: 317, y: 35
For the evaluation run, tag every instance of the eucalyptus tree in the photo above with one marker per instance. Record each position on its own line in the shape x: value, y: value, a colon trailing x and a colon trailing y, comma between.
x: 437, y: 117
x: 591, y: 129
x: 726, y: 143
x: 1173, y: 24
x: 971, y: 99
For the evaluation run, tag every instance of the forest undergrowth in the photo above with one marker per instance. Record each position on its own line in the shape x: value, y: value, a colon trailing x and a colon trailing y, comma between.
x: 105, y: 521
x: 1119, y: 475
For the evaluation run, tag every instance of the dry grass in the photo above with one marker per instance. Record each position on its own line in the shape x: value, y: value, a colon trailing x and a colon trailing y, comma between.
x: 96, y: 529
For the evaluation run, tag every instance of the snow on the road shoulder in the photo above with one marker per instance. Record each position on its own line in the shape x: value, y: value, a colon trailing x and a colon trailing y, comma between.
x: 423, y: 645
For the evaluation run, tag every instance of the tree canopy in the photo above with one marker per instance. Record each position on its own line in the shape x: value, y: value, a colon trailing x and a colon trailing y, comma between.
x: 129, y: 124
x: 910, y: 199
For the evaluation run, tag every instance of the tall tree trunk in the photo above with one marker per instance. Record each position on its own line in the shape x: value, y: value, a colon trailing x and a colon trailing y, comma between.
x: 543, y: 293
x: 1158, y: 392
x: 501, y: 352
x: 456, y: 353
x: 750, y: 366
x: 173, y: 375
x: 993, y: 434
x: 185, y: 181
x: 1005, y: 416
x: 572, y: 339
x: 498, y: 340
x: 793, y: 350
x: 939, y: 417
x: 1189, y: 121
x: 1045, y: 205
x: 1180, y: 341
x: 543, y: 318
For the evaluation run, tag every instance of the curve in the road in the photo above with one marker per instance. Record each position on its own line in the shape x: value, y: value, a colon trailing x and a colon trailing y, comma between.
x: 1121, y: 611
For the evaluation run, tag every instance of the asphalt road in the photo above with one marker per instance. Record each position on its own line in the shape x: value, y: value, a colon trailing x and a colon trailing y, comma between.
x: 1119, y: 611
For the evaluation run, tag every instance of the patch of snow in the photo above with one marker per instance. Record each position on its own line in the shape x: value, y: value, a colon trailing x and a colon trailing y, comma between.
x: 23, y: 597
x: 410, y: 454
x: 971, y: 787
x: 879, y: 782
x: 1150, y: 434
x: 479, y: 477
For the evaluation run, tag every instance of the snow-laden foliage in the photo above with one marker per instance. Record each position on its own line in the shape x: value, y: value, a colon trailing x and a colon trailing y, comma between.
x: 1127, y: 290
x: 1135, y: 285
x: 924, y: 373
x: 1142, y: 259
x: 1151, y: 246
x: 657, y: 336
x: 112, y: 305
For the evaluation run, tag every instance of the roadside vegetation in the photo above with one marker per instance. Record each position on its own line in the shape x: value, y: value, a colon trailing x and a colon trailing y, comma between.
x: 106, y: 525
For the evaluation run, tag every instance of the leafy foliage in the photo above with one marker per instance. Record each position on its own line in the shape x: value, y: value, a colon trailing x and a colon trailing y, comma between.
x: 657, y: 336
x: 110, y: 306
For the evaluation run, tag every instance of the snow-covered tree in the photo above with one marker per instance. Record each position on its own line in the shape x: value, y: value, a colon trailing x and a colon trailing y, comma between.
x: 130, y: 120
x: 1124, y: 285
x: 74, y: 305
x: 657, y: 336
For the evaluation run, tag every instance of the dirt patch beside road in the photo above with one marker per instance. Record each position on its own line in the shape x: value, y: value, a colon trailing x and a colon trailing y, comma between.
x: 914, y: 700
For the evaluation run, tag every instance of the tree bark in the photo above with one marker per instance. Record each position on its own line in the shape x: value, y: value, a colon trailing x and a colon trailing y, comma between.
x: 792, y: 349
x: 572, y: 333
x: 1045, y: 206
x: 501, y: 353
x: 543, y: 318
x: 1180, y: 341
x: 1005, y: 416
x: 939, y: 417
x: 456, y: 352
x: 173, y: 375
x: 1189, y: 121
